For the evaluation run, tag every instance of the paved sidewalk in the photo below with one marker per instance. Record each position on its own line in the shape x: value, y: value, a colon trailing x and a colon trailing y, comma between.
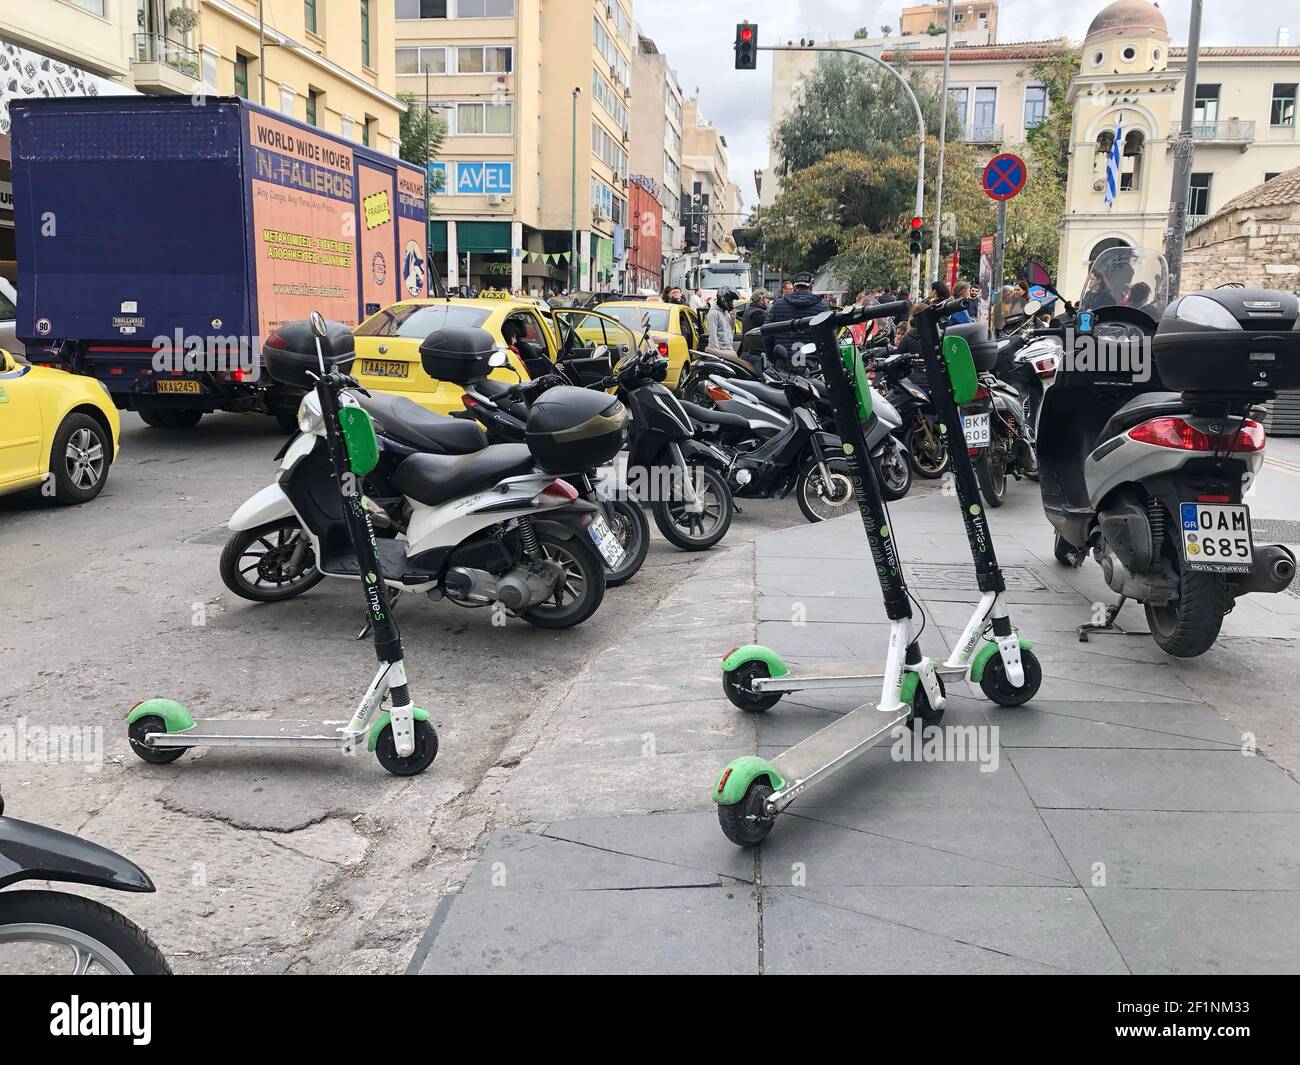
x: 1120, y: 828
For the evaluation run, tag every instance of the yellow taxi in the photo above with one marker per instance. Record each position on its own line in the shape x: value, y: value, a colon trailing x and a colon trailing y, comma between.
x: 57, y: 430
x: 388, y: 342
x: 677, y: 329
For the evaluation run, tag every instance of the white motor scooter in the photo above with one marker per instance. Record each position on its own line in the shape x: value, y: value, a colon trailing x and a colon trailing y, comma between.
x: 481, y: 528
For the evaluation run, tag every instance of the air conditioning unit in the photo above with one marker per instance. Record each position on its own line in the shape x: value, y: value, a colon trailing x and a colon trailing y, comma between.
x: 601, y: 216
x: 495, y: 199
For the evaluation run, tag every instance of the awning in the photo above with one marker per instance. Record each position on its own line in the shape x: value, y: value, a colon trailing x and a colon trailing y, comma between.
x: 480, y: 237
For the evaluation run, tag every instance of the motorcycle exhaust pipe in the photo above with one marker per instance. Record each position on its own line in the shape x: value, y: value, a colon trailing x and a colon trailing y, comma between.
x: 1273, y: 572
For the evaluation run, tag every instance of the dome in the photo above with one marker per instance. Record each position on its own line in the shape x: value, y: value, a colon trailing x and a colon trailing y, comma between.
x: 1128, y: 18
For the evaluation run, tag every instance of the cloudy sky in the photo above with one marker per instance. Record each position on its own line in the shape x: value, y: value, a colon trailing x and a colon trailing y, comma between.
x: 697, y: 37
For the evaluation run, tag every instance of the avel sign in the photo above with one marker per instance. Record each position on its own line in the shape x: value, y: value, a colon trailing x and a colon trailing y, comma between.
x: 482, y: 179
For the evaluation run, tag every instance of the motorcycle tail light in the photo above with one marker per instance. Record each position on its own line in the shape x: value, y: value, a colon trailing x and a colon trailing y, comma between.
x: 718, y: 395
x: 980, y: 393
x: 1178, y: 434
x: 469, y: 401
x: 663, y: 348
x: 1045, y: 368
x: 557, y: 490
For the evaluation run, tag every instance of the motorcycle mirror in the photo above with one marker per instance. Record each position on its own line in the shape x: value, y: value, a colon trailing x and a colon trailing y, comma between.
x: 318, y: 324
x: 1036, y: 274
x: 498, y: 359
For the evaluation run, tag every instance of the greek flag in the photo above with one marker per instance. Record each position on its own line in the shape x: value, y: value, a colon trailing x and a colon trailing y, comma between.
x: 1113, y: 163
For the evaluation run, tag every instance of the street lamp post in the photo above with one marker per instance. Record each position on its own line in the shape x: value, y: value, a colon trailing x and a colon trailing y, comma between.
x: 261, y: 51
x: 1184, y: 149
x: 574, y: 275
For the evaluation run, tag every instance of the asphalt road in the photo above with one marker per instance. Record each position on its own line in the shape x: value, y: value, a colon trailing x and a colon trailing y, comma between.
x: 265, y: 861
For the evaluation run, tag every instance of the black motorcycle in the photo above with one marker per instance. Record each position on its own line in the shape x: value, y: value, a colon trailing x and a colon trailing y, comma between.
x: 919, y: 432
x: 681, y: 475
x: 41, y: 929
x: 999, y: 437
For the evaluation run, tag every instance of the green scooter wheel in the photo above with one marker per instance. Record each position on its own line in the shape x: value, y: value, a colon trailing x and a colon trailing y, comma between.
x: 922, y: 710
x: 997, y: 688
x: 426, y: 750
x: 737, y: 685
x: 139, y: 729
x: 746, y: 823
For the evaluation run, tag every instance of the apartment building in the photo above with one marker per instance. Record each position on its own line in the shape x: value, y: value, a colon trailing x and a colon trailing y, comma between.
x: 980, y: 18
x: 1246, y: 130
x: 707, y: 196
x: 658, y: 108
x: 536, y: 98
x: 323, y: 61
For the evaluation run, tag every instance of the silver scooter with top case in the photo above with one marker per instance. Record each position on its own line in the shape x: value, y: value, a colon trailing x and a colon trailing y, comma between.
x: 491, y: 526
x: 1149, y: 440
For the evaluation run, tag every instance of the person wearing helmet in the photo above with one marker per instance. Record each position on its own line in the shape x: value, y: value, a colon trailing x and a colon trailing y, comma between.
x: 802, y: 302
x: 721, y: 322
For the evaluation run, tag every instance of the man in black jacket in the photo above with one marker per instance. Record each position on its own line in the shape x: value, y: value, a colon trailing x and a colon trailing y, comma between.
x: 801, y: 303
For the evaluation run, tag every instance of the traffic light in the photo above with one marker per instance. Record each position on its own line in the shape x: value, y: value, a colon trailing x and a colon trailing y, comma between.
x: 916, y: 237
x: 746, y: 46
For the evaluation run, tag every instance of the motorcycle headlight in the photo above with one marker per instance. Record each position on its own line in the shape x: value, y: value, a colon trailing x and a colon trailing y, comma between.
x: 310, y: 418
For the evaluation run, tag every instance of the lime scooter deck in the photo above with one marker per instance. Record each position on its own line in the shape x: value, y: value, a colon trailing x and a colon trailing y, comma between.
x: 751, y: 791
x: 402, y: 737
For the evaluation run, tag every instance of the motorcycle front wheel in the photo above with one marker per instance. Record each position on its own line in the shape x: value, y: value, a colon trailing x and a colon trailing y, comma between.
x: 696, y: 532
x: 46, y: 932
x: 271, y: 563
x: 927, y: 449
x: 893, y: 473
x: 821, y: 501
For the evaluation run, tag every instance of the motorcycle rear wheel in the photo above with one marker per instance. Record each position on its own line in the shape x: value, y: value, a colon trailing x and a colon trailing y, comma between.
x: 1188, y: 626
x: 927, y: 450
x: 991, y: 472
x: 93, y: 934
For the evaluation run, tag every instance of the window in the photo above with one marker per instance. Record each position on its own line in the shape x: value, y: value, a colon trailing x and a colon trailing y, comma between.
x: 1283, y: 110
x: 960, y: 99
x: 417, y: 60
x: 674, y: 102
x: 1035, y: 105
x: 241, y: 76
x: 286, y: 100
x: 365, y: 130
x: 986, y: 107
x: 95, y: 7
x: 1206, y: 108
x: 610, y: 99
x: 1270, y: 176
x: 607, y: 48
x: 608, y: 150
x: 1198, y: 201
x: 672, y: 138
x: 313, y: 102
x: 493, y: 120
x: 309, y: 14
x: 489, y: 59
x: 672, y: 173
x: 421, y: 8
x: 365, y: 33
x: 485, y: 9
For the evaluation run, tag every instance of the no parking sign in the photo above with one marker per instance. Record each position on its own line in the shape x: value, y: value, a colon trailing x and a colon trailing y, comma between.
x: 1005, y: 176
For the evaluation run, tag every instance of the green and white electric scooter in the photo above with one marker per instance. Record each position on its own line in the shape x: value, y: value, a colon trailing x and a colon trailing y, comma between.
x: 751, y: 791
x: 402, y: 737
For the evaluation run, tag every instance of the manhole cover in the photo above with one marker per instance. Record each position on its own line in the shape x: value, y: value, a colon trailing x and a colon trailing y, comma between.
x: 1273, y: 531
x: 938, y: 575
x: 216, y: 534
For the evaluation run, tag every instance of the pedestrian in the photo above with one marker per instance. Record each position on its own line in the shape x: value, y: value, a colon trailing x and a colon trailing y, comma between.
x: 751, y: 344
x: 721, y: 323
x: 698, y: 303
x: 961, y: 291
x: 800, y: 302
x: 940, y: 292
x: 787, y: 287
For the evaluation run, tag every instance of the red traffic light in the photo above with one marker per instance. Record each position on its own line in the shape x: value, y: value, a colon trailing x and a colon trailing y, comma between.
x: 746, y: 34
x: 917, y: 223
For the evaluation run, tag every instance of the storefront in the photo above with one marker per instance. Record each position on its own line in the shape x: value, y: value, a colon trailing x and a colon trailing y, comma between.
x: 473, y: 253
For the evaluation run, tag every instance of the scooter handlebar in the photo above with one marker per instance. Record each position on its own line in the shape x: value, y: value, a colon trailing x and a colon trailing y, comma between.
x: 836, y: 319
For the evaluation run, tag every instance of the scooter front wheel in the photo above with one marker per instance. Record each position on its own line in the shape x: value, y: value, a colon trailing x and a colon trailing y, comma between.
x: 426, y: 750
x: 737, y: 685
x: 997, y: 687
x: 139, y: 729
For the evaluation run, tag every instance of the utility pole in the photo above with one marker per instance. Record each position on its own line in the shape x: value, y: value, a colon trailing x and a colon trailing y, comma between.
x: 261, y: 50
x: 943, y: 136
x: 428, y: 174
x: 574, y: 274
x: 1184, y: 150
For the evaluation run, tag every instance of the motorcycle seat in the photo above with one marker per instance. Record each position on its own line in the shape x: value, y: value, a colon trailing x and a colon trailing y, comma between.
x: 720, y: 418
x: 773, y: 397
x: 1139, y: 409
x: 407, y: 422
x: 434, y: 479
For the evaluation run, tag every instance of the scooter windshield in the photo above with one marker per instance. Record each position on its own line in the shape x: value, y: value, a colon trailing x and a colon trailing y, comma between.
x: 1127, y: 277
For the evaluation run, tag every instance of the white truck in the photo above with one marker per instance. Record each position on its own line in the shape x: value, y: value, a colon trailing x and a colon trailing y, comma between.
x: 710, y: 272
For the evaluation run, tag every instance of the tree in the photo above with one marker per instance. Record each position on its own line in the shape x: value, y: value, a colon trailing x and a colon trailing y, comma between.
x: 861, y: 33
x: 886, y: 31
x: 1050, y: 139
x: 422, y: 133
x: 849, y: 104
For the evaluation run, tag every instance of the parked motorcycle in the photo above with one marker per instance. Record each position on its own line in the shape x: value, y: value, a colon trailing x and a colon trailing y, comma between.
x: 44, y: 930
x: 478, y: 525
x: 1147, y: 442
x: 919, y: 422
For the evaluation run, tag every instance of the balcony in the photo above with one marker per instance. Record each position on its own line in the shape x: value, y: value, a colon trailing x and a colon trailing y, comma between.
x: 1231, y: 131
x: 160, y: 64
x: 1194, y: 220
x: 982, y: 134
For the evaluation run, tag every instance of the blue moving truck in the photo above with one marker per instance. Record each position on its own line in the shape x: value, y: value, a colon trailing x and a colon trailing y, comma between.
x: 160, y: 239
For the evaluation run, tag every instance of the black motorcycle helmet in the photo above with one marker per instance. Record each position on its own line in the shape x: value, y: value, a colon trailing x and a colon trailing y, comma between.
x: 727, y: 298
